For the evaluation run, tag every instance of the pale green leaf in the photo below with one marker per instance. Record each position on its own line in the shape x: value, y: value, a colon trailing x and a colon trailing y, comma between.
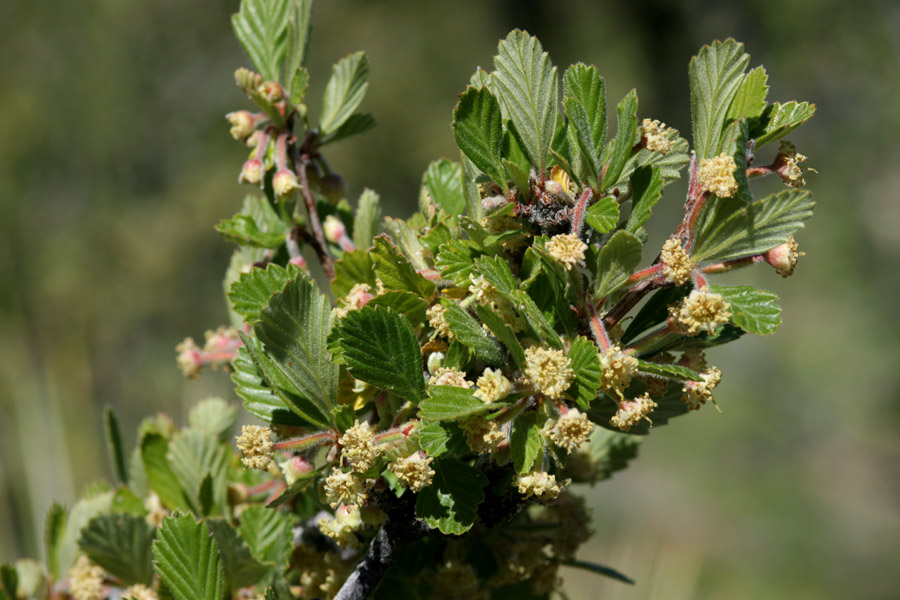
x: 120, y: 543
x: 267, y: 532
x: 616, y: 261
x: 670, y: 164
x: 81, y: 514
x: 355, y: 124
x: 54, y: 529
x: 443, y: 180
x: 395, y: 270
x: 626, y: 133
x: 161, y: 477
x: 194, y: 455
x: 250, y: 294
x: 367, y: 219
x: 257, y: 225
x: 456, y: 259
x: 240, y: 568
x: 187, y: 559
x: 344, y: 91
x: 408, y: 240
x: 646, y: 190
x: 753, y: 310
x: 750, y: 100
x: 716, y: 74
x: 213, y: 415
x: 478, y: 130
x: 603, y: 214
x: 451, y: 502
x: 298, y: 28
x: 261, y: 27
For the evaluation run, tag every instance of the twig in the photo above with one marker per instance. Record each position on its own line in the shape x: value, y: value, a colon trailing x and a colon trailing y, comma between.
x: 321, y: 248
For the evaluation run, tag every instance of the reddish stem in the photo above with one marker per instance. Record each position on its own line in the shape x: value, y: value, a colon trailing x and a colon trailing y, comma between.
x: 320, y: 246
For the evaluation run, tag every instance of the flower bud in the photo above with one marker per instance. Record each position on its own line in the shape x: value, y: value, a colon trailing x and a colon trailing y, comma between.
x: 295, y: 468
x: 334, y: 229
x: 300, y: 262
x: 271, y: 91
x: 284, y: 183
x: 243, y: 124
x: 252, y: 172
x: 784, y: 257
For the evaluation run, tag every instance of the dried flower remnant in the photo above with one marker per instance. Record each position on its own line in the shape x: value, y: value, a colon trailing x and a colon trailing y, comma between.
x: 676, y: 264
x: 716, y: 175
x: 549, y: 370
x: 655, y: 136
x: 696, y: 393
x: 787, y: 165
x: 255, y: 443
x: 701, y: 310
x: 632, y: 411
x: 567, y: 250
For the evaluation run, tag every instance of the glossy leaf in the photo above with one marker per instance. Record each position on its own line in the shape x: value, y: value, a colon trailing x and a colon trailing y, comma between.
x: 616, y: 261
x: 750, y: 100
x: 450, y: 503
x: 780, y: 119
x: 753, y: 310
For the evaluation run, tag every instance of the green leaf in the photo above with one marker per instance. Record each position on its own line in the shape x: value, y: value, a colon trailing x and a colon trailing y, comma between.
x: 344, y: 91
x: 298, y: 27
x: 294, y: 329
x: 259, y: 399
x: 646, y: 190
x: 213, y: 415
x: 585, y: 103
x: 9, y: 582
x: 121, y: 545
x: 114, y: 448
x: 81, y: 514
x: 408, y: 240
x: 351, y: 268
x: 755, y: 228
x: 299, y: 83
x: 753, y: 310
x: 497, y: 272
x: 250, y: 294
x: 612, y: 450
x: 670, y: 165
x: 478, y: 130
x: 503, y: 332
x: 162, y: 479
x: 406, y: 303
x: 616, y: 261
x: 456, y: 259
x: 526, y: 441
x: 603, y: 214
x: 780, y: 119
x: 367, y: 219
x: 194, y: 455
x: 239, y: 566
x: 670, y: 371
x: 585, y: 361
x: 450, y: 403
x: 54, y: 528
x: 443, y: 180
x: 355, y: 124
x: 268, y: 533
x: 187, y: 559
x: 750, y: 100
x: 260, y: 26
x: 439, y: 439
x: 716, y: 74
x: 598, y: 569
x: 537, y: 324
x: 395, y: 270
x: 299, y: 485
x: 529, y: 92
x: 470, y: 333
x: 242, y: 229
x: 625, y: 137
x: 451, y: 501
x: 380, y: 347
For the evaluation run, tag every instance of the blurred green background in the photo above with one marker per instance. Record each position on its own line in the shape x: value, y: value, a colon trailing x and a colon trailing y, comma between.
x: 115, y: 161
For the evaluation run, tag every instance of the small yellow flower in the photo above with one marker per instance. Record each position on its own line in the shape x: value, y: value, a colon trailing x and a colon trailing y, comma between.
x: 85, y: 580
x: 676, y: 264
x: 242, y: 124
x: 618, y: 369
x: 414, y: 470
x: 567, y: 249
x: 701, y: 310
x: 482, y: 436
x: 696, y: 393
x: 789, y: 165
x: 344, y: 488
x: 632, y: 411
x: 493, y: 386
x: 548, y: 370
x: 343, y: 527
x: 284, y: 183
x: 716, y: 175
x: 448, y: 376
x: 539, y: 484
x: 359, y: 447
x: 139, y: 592
x: 571, y: 430
x: 656, y: 136
x: 255, y: 443
x: 437, y: 318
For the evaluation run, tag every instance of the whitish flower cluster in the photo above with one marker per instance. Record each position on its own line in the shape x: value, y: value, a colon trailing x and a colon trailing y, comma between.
x: 343, y: 527
x: 359, y: 447
x: 784, y: 257
x: 437, y: 318
x: 139, y: 592
x: 156, y: 512
x: 85, y: 580
x: 539, y: 484
x: 676, y: 264
x: 567, y: 250
x: 548, y: 370
x: 789, y: 165
x: 696, y: 393
x: 656, y: 136
x: 448, y: 376
x: 632, y: 411
x: 701, y: 310
x: 482, y: 436
x: 242, y: 124
x: 255, y: 443
x: 344, y: 488
x: 414, y: 470
x: 570, y: 430
x: 493, y: 386
x: 487, y: 294
x: 716, y: 175
x: 618, y: 368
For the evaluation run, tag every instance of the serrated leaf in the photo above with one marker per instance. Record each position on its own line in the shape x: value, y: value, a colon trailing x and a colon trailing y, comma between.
x: 294, y: 330
x: 450, y: 403
x: 451, y: 501
x: 525, y: 442
x: 456, y: 259
x: 300, y: 484
x: 261, y: 27
x: 780, y: 119
x: 478, y: 131
x: 755, y: 228
x: 115, y: 451
x: 299, y: 84
x: 443, y: 180
x: 603, y: 214
x: 405, y: 303
x: 585, y: 102
x: 380, y: 347
x: 395, y: 270
x: 470, y: 333
x: 408, y: 241
x: 187, y: 559
x: 585, y: 361
x: 497, y: 272
x: 120, y: 544
x: 259, y: 399
x: 439, y: 439
x: 250, y: 294
x: 504, y: 333
x: 716, y: 73
x: 646, y: 190
x: 624, y: 142
x: 616, y: 261
x: 344, y: 91
x: 239, y: 566
x: 367, y: 219
x: 750, y: 100
x: 470, y: 188
x: 529, y: 92
x: 194, y: 455
x: 355, y: 124
x: 670, y: 164
x: 351, y: 268
x: 9, y: 582
x: 268, y: 534
x: 242, y: 229
x: 162, y: 479
x: 753, y: 310
x: 669, y: 371
x: 212, y: 415
x: 536, y: 322
x: 298, y: 27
